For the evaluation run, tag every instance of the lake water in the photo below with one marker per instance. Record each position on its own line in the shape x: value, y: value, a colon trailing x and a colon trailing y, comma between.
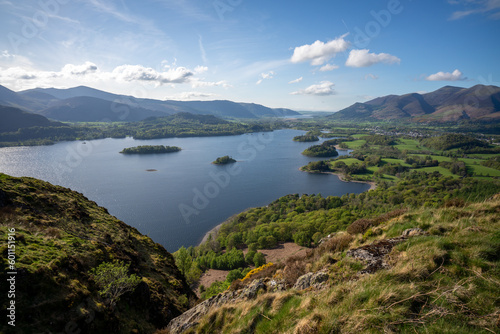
x: 187, y: 195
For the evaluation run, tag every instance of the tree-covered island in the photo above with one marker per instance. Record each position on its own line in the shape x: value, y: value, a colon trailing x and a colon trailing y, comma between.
x: 223, y: 160
x: 150, y: 149
x: 326, y: 149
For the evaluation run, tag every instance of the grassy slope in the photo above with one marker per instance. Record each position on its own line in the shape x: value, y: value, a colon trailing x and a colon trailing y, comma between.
x: 447, y: 281
x: 60, y: 236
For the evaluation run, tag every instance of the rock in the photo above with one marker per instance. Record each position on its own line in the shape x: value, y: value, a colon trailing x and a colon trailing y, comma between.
x: 252, y: 290
x: 413, y: 232
x: 276, y: 285
x: 191, y: 317
x: 311, y: 280
x: 374, y: 254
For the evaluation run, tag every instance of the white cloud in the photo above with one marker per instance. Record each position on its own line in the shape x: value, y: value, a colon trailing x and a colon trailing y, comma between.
x: 89, y: 72
x: 141, y: 73
x: 363, y: 58
x: 202, y: 50
x: 371, y: 76
x: 489, y: 7
x: 200, y: 69
x: 191, y: 96
x: 84, y: 69
x: 446, y: 76
x: 328, y: 67
x: 296, y: 80
x: 265, y: 76
x: 18, y: 73
x: 324, y: 88
x: 319, y: 52
x: 195, y: 83
x: 6, y: 54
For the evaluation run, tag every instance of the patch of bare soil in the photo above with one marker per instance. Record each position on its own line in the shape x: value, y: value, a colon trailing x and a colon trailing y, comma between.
x: 280, y: 253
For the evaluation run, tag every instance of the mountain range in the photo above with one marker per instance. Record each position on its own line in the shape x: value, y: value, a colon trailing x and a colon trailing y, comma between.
x: 85, y: 104
x: 446, y: 104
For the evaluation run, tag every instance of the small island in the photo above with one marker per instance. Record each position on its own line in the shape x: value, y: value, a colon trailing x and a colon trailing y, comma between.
x: 306, y: 138
x: 223, y: 160
x: 150, y: 149
x: 327, y: 149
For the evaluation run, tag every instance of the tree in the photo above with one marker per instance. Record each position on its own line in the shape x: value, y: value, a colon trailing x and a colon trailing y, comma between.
x: 249, y: 256
x: 183, y: 260
x: 114, y: 281
x: 259, y: 259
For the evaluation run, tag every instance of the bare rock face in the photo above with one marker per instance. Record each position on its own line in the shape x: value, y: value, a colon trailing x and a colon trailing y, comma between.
x: 315, y: 280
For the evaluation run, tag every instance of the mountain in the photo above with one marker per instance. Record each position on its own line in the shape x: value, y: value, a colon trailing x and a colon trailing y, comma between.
x: 60, y: 237
x: 445, y: 104
x: 91, y: 109
x: 221, y: 108
x: 14, y: 119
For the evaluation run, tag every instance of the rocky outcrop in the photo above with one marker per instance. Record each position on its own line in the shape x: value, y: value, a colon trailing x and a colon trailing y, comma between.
x: 374, y: 254
x: 191, y: 317
x: 316, y: 280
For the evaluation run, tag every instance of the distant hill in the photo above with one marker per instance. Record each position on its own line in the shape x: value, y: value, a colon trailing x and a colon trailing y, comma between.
x: 69, y: 105
x: 13, y: 119
x: 445, y: 104
x: 90, y: 109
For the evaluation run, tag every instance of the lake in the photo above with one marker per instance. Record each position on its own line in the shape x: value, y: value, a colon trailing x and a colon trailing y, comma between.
x: 185, y: 196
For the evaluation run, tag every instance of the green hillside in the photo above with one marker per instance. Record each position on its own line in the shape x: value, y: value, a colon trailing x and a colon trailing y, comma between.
x: 60, y: 237
x: 427, y: 270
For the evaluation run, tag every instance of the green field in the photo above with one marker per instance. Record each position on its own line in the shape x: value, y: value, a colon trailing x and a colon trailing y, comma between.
x: 408, y: 144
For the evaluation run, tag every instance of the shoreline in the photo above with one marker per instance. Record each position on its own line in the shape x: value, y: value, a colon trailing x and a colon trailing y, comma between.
x: 213, y: 231
x: 341, y: 177
x: 216, y: 229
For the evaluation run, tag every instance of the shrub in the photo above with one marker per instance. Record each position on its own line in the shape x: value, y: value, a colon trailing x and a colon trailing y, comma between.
x: 359, y: 226
x: 114, y: 281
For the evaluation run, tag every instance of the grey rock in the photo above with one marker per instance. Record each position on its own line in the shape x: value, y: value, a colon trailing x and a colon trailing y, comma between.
x: 374, y: 254
x: 252, y: 290
x: 315, y: 280
x: 191, y: 317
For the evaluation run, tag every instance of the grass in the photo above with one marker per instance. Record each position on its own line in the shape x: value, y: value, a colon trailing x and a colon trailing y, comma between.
x: 408, y: 144
x: 445, y: 281
x: 355, y: 143
x: 60, y: 236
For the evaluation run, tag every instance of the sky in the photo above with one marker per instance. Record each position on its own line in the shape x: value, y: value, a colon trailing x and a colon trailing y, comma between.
x: 305, y: 55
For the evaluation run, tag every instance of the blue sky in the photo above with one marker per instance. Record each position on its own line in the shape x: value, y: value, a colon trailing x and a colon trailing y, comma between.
x: 314, y: 55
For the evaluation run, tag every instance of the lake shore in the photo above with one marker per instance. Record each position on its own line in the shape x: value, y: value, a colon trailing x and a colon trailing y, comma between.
x: 215, y: 230
x: 342, y: 178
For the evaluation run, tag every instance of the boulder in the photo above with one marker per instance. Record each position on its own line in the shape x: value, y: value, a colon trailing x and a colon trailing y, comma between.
x: 315, y: 280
